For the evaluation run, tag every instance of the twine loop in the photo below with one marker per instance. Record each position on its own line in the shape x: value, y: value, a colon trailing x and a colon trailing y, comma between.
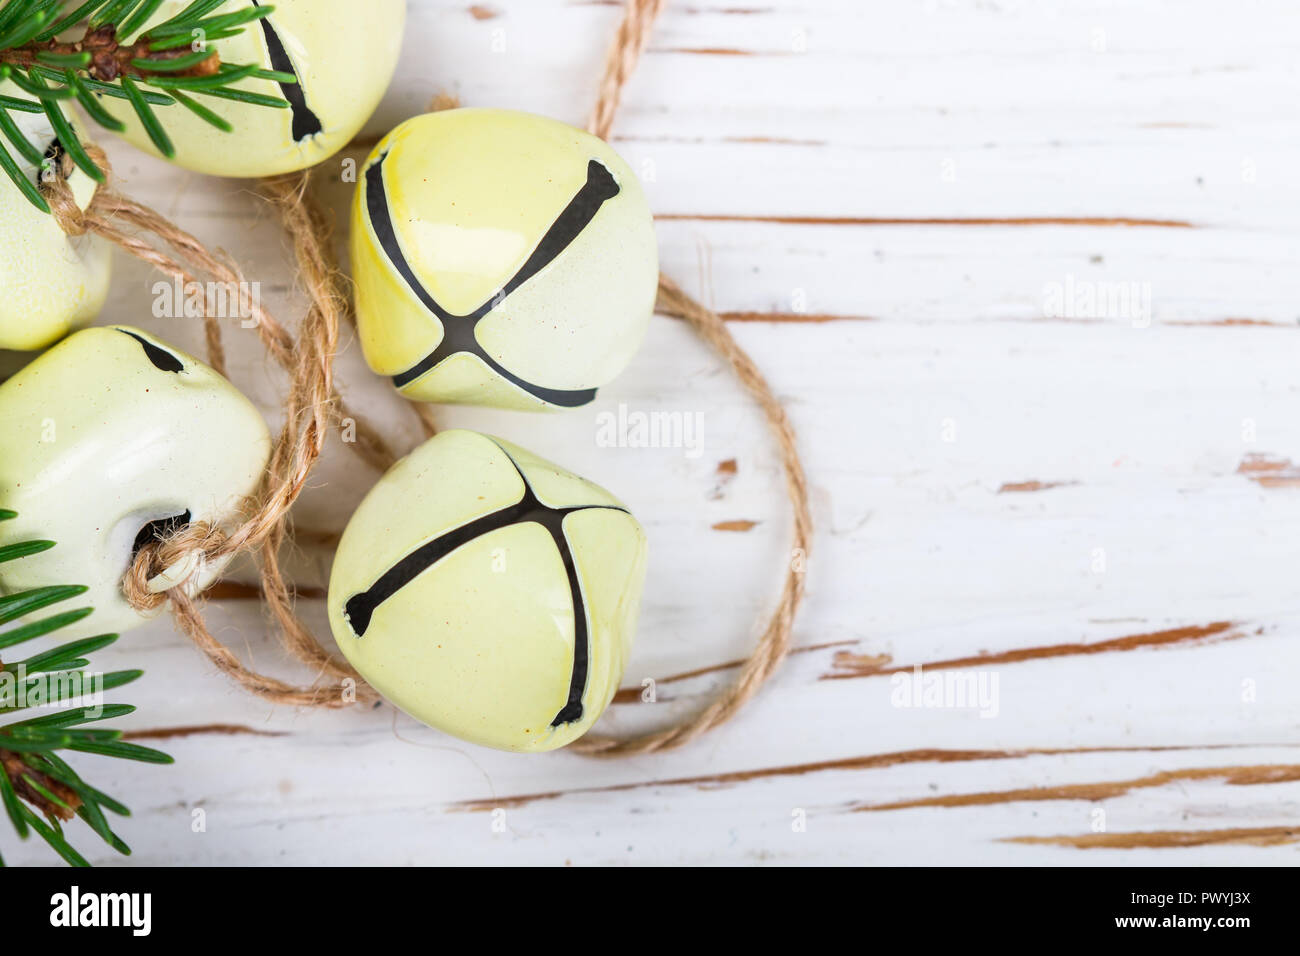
x: 169, y: 570
x: 53, y: 185
x: 181, y: 559
x: 177, y: 562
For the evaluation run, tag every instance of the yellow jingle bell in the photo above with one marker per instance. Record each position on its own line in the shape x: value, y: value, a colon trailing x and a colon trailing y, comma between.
x: 343, y: 54
x: 501, y: 259
x: 489, y: 593
x: 111, y: 439
x: 51, y: 282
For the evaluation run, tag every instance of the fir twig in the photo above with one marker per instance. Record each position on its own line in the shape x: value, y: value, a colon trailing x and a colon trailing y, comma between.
x: 113, y: 57
x: 39, y: 791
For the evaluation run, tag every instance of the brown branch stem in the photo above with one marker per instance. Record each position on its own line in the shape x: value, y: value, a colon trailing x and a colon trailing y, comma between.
x: 109, y: 59
x: 18, y: 772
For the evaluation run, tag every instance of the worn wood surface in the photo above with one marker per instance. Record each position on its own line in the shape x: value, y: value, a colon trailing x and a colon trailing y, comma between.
x: 1084, y: 504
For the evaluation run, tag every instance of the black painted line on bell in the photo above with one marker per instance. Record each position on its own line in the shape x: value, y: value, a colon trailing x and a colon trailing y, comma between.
x: 304, y: 122
x: 575, y: 217
x: 160, y: 358
x: 359, y: 608
x: 456, y: 340
x: 459, y: 331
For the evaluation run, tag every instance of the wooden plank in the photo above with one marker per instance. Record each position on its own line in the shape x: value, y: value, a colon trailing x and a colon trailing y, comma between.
x: 922, y: 219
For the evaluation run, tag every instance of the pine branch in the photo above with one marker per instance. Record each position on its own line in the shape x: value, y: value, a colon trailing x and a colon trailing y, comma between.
x: 38, y: 789
x: 160, y: 67
x: 102, y: 57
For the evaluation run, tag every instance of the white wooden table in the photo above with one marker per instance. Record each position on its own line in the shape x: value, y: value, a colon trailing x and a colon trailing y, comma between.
x: 1092, y: 509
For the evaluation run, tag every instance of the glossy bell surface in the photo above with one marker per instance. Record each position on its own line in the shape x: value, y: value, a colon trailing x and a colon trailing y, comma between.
x: 50, y: 282
x: 109, y: 439
x: 343, y: 54
x: 489, y: 593
x: 502, y: 259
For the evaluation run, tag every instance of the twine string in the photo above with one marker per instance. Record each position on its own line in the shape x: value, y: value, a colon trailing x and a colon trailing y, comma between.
x: 630, y: 40
x: 310, y: 407
x: 312, y: 404
x: 774, y: 643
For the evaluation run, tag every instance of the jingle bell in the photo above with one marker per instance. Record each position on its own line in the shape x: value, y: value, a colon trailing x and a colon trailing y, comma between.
x: 500, y: 259
x: 489, y: 593
x: 112, y: 439
x: 343, y: 56
x: 52, y: 282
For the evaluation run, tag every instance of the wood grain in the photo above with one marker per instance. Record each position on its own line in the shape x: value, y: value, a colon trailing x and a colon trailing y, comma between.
x: 922, y: 220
